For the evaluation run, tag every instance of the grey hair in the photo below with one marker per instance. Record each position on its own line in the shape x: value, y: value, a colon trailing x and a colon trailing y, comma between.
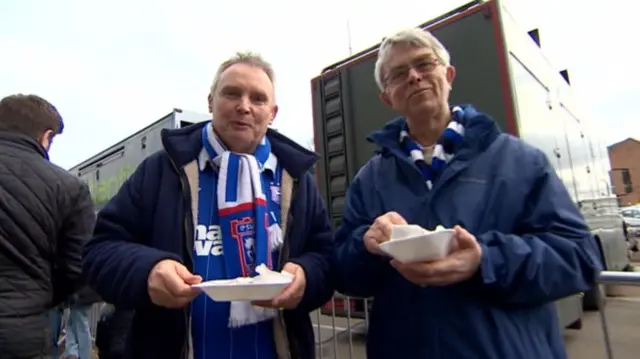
x: 249, y: 58
x: 415, y: 37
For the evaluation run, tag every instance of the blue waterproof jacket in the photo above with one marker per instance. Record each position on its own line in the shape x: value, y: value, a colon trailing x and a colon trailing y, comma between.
x: 536, y: 247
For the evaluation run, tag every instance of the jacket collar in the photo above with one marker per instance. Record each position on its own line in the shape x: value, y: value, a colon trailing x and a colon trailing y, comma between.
x: 23, y: 142
x: 480, y: 131
x: 184, y: 145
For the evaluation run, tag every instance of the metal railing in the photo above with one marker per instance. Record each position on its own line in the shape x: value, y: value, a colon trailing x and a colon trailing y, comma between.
x: 340, y: 327
x: 614, y: 278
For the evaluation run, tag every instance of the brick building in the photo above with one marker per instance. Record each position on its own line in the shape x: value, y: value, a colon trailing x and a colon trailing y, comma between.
x: 624, y: 158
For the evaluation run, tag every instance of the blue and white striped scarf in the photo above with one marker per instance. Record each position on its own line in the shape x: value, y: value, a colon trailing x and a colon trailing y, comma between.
x: 249, y: 234
x: 443, y: 152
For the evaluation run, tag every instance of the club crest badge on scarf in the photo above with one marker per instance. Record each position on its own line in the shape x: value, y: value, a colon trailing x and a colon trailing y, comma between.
x: 243, y: 232
x: 275, y: 194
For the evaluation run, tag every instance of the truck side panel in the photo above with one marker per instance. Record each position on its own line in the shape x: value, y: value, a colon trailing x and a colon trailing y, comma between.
x: 107, y: 171
x: 550, y: 118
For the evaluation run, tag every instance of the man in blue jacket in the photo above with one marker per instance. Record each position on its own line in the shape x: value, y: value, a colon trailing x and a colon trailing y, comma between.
x: 520, y: 242
x: 220, y: 199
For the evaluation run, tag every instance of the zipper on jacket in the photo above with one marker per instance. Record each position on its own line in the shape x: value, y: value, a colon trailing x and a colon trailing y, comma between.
x: 293, y: 345
x: 285, y: 240
x: 188, y: 233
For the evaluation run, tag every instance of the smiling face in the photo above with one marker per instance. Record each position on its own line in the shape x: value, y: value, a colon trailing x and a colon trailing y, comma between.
x: 416, y: 83
x: 243, y: 107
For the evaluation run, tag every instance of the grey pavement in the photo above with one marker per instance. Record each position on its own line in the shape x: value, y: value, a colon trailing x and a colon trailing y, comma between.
x: 623, y: 319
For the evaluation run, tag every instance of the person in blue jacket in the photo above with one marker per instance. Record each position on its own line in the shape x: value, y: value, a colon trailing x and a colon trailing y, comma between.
x: 222, y: 199
x: 520, y: 242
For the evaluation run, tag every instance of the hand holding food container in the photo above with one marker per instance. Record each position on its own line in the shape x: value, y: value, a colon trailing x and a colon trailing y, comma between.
x: 268, y: 289
x: 411, y: 243
x: 292, y: 294
x: 380, y: 231
x: 439, y: 257
x: 170, y: 284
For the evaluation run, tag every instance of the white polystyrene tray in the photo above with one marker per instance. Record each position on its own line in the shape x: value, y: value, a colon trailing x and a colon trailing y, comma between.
x: 262, y: 287
x: 421, y: 247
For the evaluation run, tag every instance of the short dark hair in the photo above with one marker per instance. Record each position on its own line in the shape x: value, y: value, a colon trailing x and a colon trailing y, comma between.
x: 30, y: 115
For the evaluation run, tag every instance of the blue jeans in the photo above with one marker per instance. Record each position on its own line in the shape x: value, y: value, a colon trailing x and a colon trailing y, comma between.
x: 78, y: 340
x: 55, y: 325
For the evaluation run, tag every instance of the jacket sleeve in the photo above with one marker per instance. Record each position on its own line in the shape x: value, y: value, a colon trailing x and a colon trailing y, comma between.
x: 551, y: 256
x: 316, y: 259
x: 357, y: 271
x: 117, y: 261
x: 75, y: 231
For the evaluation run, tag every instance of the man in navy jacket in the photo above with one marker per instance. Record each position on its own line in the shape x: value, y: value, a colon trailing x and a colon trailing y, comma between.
x: 520, y: 243
x: 166, y: 230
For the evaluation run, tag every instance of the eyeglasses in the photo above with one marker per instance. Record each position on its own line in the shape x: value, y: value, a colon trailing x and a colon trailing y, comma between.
x: 400, y: 74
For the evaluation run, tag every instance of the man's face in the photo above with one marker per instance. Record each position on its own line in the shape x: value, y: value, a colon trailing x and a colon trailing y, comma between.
x: 243, y: 107
x: 416, y: 82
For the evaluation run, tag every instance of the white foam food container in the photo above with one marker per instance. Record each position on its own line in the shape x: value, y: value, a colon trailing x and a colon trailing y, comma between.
x: 412, y: 243
x: 265, y: 286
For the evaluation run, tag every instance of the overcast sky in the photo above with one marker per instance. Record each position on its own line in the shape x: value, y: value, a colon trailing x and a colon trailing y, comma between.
x: 114, y: 67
